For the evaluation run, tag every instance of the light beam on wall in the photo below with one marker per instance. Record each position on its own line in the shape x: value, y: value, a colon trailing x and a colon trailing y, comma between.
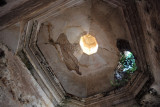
x: 88, y: 44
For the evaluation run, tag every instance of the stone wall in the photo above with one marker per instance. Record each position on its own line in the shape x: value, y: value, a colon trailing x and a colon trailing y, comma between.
x: 149, y: 11
x: 17, y: 86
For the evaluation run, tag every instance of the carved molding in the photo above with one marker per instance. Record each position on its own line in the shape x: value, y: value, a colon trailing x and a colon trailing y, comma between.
x: 53, y: 87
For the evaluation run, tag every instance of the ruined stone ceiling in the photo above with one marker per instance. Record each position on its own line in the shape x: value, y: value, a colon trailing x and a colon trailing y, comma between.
x: 48, y: 37
x: 58, y: 40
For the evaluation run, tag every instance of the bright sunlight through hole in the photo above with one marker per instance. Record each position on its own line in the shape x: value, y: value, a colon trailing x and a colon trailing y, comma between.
x: 88, y: 44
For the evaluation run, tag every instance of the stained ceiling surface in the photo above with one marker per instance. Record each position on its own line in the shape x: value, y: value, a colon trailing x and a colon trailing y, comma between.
x: 80, y: 74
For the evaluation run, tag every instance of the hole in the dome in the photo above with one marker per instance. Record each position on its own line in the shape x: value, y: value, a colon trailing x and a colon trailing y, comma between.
x: 88, y: 44
x: 123, y: 45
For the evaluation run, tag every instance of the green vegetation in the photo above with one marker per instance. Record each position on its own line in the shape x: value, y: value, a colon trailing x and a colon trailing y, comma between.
x: 126, y: 67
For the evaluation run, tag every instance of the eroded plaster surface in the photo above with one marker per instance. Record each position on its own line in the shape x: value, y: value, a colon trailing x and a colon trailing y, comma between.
x: 58, y: 39
x: 17, y: 86
x: 10, y: 36
x: 66, y: 58
x: 149, y: 13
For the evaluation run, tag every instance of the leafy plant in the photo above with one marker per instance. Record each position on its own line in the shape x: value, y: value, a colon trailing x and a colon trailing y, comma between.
x: 125, y: 68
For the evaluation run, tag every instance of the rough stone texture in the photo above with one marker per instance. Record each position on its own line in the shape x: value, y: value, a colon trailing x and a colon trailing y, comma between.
x: 149, y: 12
x: 10, y: 4
x: 150, y: 100
x: 20, y: 9
x: 17, y: 86
x: 10, y: 36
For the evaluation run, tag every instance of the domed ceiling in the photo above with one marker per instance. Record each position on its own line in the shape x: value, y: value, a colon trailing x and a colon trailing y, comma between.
x: 51, y: 41
x: 58, y: 39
